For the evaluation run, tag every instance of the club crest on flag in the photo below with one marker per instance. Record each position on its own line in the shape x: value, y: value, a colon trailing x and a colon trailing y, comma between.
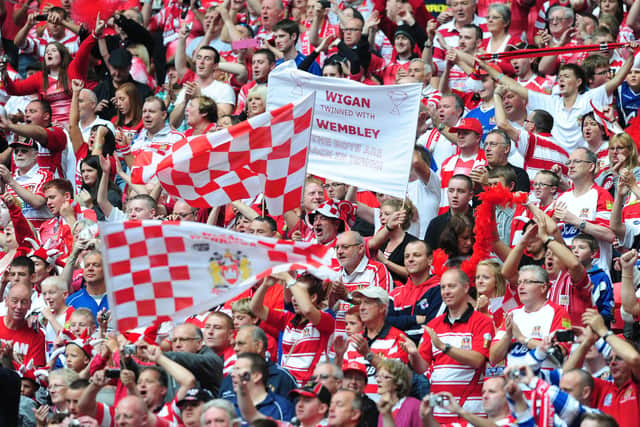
x: 226, y: 269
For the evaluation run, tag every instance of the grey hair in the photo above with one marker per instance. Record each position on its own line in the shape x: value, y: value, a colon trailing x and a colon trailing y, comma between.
x: 505, y: 138
x: 57, y: 281
x: 337, y: 372
x: 68, y: 375
x: 257, y: 334
x: 226, y: 406
x: 568, y: 12
x: 92, y: 96
x: 503, y: 10
x: 540, y: 272
x: 427, y: 67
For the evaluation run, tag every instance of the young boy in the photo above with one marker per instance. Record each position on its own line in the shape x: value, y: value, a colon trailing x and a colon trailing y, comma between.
x: 353, y: 323
x: 585, y: 248
x: 56, y: 313
x: 242, y: 315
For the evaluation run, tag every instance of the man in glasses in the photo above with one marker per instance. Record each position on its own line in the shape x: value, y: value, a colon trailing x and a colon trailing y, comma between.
x: 26, y: 181
x: 188, y: 347
x: 526, y: 326
x: 587, y: 207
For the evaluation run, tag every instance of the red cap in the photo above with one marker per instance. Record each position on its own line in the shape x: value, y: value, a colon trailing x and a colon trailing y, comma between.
x: 471, y: 124
x: 493, y: 65
x: 355, y: 366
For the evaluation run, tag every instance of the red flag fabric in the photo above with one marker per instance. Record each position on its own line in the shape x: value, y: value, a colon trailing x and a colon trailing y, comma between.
x: 265, y: 154
x: 159, y: 271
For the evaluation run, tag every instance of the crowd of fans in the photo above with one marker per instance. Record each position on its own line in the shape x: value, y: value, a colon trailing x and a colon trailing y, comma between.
x: 417, y: 330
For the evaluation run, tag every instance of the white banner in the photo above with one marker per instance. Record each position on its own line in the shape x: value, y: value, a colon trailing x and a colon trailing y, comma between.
x: 168, y: 271
x: 361, y: 135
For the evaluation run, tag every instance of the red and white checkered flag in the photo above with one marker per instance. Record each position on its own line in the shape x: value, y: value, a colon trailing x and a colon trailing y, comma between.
x: 171, y: 270
x: 267, y: 153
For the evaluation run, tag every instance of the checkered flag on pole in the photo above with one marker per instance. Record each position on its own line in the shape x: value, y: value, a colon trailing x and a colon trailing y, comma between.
x: 265, y: 154
x: 159, y: 271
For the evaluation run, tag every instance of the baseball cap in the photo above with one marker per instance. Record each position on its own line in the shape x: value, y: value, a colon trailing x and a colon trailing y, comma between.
x: 25, y: 142
x: 354, y: 366
x: 373, y: 292
x: 471, y: 124
x: 493, y: 65
x: 318, y: 390
x: 120, y: 58
x: 196, y: 395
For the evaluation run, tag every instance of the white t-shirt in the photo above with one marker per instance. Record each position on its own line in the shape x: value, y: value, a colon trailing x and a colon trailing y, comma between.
x: 566, y: 123
x: 220, y: 92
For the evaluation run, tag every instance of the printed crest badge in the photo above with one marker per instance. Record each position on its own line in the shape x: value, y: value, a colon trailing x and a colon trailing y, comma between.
x: 584, y: 213
x: 536, y: 331
x: 228, y: 268
x: 466, y: 343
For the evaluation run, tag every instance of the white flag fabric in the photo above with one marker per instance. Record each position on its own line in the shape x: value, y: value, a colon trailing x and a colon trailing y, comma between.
x: 361, y: 135
x: 160, y: 271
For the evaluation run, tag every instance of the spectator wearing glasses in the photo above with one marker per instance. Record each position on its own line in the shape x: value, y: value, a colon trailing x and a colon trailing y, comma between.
x: 329, y: 375
x: 189, y: 351
x: 526, y: 326
x: 622, y: 156
x: 497, y: 145
x: 587, y: 207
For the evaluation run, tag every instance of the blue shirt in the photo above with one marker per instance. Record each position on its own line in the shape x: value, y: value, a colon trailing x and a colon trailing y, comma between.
x: 313, y: 69
x: 486, y: 118
x: 280, y: 382
x: 82, y: 299
x: 273, y: 406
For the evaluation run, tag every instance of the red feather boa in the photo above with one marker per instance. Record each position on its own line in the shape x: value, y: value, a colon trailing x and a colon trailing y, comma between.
x: 484, y: 229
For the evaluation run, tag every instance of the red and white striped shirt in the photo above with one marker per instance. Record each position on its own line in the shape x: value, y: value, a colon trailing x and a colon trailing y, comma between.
x: 439, y: 146
x: 537, y: 83
x: 541, y: 152
x: 456, y: 165
x: 368, y: 273
x: 35, y: 45
x: 574, y: 297
x: 303, y: 343
x: 452, y: 38
x: 32, y: 181
x: 387, y: 344
x: 471, y: 332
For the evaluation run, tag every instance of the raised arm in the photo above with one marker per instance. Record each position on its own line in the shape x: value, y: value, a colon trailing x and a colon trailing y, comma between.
x: 257, y: 301
x: 511, y: 84
x: 74, y: 117
x: 619, y: 77
x: 103, y: 186
x: 182, y: 375
x: 501, y: 116
x: 621, y: 347
x: 628, y: 296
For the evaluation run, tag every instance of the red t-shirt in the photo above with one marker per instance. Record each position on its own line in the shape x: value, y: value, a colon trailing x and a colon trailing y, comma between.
x: 26, y: 342
x: 623, y: 403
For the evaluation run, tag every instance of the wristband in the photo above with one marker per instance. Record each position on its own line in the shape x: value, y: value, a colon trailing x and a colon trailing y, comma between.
x: 446, y: 348
x: 123, y: 150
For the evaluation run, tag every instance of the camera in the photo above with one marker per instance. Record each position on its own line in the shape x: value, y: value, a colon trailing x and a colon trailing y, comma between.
x: 112, y: 373
x: 517, y: 374
x: 437, y: 400
x: 42, y: 17
x: 129, y: 349
x: 564, y: 335
x: 554, y: 353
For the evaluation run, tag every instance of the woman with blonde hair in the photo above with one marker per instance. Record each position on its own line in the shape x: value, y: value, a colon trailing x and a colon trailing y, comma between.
x: 623, y: 154
x: 491, y: 286
x: 392, y: 237
x: 256, y: 101
x: 394, y: 385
